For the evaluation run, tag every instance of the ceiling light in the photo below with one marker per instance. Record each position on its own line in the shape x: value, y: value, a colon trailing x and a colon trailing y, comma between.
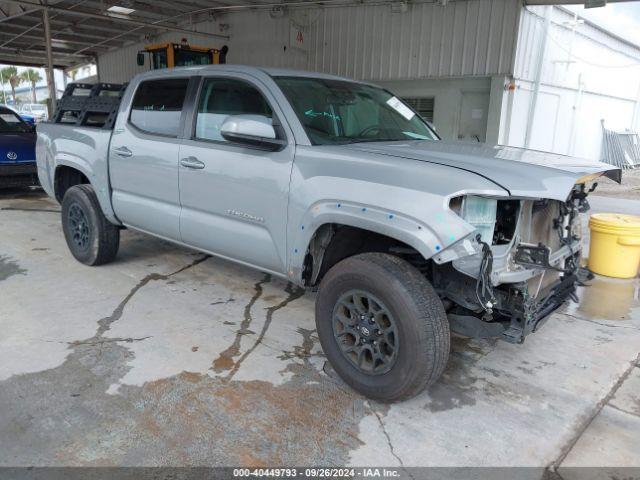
x: 120, y: 10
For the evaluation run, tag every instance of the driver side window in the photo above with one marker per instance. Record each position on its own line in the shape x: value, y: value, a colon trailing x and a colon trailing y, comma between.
x: 221, y: 97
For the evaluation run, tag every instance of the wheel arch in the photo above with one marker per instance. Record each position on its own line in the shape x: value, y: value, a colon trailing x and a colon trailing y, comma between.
x: 342, y: 225
x: 66, y: 176
x: 68, y: 173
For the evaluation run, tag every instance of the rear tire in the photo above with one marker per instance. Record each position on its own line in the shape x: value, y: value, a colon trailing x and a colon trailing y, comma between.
x: 91, y: 238
x: 382, y: 326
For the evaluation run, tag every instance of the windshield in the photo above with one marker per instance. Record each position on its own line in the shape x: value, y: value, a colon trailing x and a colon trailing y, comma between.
x: 11, y: 123
x: 187, y: 58
x: 37, y: 108
x: 339, y: 112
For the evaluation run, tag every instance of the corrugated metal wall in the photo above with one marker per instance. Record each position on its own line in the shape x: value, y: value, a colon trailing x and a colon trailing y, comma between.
x: 474, y: 37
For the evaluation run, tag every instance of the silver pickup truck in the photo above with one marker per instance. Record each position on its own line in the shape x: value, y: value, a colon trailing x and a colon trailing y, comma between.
x: 335, y: 185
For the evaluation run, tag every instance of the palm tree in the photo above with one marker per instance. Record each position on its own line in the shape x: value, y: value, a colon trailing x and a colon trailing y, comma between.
x: 33, y: 77
x: 3, y: 80
x: 4, y: 95
x: 10, y: 75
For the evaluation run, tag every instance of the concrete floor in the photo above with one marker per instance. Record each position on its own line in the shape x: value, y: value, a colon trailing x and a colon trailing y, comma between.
x: 168, y: 357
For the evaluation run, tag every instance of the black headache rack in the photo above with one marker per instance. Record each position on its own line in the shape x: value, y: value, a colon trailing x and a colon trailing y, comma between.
x: 90, y: 105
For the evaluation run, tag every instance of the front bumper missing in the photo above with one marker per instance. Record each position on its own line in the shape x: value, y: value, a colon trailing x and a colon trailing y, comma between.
x: 531, y: 314
x: 517, y: 314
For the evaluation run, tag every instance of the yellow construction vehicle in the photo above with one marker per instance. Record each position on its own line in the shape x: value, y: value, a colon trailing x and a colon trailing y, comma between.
x: 169, y: 55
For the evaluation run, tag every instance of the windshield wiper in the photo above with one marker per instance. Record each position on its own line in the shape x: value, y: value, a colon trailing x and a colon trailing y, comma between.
x: 370, y: 140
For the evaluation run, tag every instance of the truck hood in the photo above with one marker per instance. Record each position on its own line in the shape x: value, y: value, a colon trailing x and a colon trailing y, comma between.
x: 521, y: 172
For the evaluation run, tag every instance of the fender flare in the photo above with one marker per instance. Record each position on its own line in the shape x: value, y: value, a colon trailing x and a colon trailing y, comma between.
x: 82, y: 165
x: 408, y: 230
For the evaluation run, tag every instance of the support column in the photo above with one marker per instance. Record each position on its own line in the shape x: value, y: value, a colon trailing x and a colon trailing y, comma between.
x: 51, y: 81
x: 533, y: 105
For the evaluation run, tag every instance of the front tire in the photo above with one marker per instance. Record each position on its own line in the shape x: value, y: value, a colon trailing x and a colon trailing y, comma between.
x: 382, y: 326
x: 91, y: 238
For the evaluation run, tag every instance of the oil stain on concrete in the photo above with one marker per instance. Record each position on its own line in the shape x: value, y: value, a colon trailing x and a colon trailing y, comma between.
x: 64, y: 416
x: 9, y: 268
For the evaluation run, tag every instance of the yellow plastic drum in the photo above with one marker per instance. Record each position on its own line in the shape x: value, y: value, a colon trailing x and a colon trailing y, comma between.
x: 615, y: 245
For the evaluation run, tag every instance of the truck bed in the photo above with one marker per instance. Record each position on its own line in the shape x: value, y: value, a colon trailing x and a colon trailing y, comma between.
x: 82, y: 147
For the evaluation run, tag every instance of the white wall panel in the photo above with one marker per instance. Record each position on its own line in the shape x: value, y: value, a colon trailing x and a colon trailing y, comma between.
x: 588, y: 55
x: 472, y: 37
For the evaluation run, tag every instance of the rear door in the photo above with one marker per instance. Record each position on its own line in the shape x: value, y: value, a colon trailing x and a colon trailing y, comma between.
x: 234, y: 198
x: 143, y: 158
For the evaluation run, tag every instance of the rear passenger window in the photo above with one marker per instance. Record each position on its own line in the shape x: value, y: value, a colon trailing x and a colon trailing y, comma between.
x: 157, y: 106
x: 221, y: 97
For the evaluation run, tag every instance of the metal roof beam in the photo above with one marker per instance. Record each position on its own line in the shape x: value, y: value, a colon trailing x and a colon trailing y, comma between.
x: 73, y: 38
x: 18, y: 15
x: 32, y: 61
x: 57, y: 53
x: 38, y: 58
x: 137, y: 23
x: 66, y: 28
x: 144, y: 8
x: 36, y: 40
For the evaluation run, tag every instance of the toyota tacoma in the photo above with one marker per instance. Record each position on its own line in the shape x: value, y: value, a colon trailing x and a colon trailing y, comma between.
x: 334, y: 185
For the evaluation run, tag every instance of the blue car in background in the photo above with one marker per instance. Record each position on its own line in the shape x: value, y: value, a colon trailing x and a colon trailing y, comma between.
x: 17, y: 151
x: 27, y: 117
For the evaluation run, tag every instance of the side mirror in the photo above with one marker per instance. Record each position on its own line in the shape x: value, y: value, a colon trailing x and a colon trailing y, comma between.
x: 140, y: 59
x: 252, y: 130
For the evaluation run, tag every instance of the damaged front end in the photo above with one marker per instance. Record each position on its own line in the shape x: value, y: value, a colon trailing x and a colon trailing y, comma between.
x: 527, y: 265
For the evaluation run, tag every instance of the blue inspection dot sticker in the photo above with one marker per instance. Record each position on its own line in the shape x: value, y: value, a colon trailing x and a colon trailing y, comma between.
x: 339, y: 205
x: 295, y: 250
x: 437, y: 248
x: 391, y: 216
x: 364, y: 209
x: 301, y: 227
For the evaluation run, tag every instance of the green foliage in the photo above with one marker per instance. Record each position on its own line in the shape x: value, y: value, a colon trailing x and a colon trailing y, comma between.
x: 10, y: 75
x: 33, y: 77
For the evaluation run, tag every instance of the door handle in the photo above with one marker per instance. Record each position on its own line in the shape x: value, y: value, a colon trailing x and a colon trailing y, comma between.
x: 192, y: 162
x: 123, y: 152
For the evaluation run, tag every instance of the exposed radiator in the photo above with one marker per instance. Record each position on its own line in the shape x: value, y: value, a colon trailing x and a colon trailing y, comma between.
x: 541, y: 229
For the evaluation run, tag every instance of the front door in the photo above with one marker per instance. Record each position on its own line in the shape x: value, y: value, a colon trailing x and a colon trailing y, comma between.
x: 143, y: 159
x: 234, y: 198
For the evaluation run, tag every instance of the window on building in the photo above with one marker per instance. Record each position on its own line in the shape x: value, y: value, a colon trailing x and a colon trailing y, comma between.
x: 422, y: 105
x: 221, y: 97
x: 157, y: 106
